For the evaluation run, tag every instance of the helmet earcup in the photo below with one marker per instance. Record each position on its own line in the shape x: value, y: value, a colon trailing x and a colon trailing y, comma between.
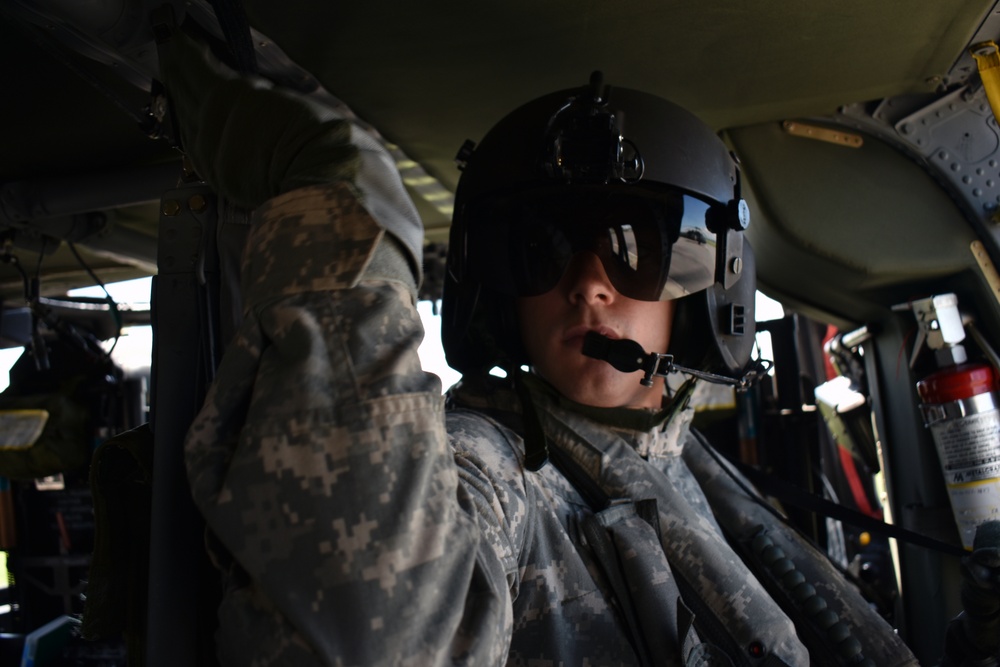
x: 479, y: 328
x: 714, y: 329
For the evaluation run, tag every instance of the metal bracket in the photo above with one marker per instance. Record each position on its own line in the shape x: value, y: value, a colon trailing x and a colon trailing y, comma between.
x: 811, y: 131
x: 187, y: 231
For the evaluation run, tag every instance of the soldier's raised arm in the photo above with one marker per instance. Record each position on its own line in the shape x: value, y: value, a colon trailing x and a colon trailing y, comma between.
x: 319, y: 459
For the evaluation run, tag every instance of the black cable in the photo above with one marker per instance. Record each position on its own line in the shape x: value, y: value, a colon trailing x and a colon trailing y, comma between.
x: 41, y: 256
x: 38, y: 349
x: 8, y: 258
x: 792, y: 494
x: 112, y: 304
x: 236, y: 29
x: 754, y: 495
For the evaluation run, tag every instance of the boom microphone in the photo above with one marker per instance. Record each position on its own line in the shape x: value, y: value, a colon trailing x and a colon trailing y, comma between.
x: 628, y: 356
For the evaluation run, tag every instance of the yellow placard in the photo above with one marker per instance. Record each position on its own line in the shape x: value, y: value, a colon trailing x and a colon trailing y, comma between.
x: 20, y: 429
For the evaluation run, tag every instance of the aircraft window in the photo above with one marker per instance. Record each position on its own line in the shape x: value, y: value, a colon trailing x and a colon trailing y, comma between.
x: 133, y: 351
x: 8, y: 357
x: 128, y: 291
x: 134, y: 348
x: 765, y: 310
x: 431, y: 351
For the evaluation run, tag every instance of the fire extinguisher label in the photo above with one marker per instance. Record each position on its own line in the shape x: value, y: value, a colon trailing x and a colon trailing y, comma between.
x: 969, y: 450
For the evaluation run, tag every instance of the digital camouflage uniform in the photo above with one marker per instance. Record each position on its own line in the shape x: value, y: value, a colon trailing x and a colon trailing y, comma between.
x: 360, y: 525
x: 356, y: 524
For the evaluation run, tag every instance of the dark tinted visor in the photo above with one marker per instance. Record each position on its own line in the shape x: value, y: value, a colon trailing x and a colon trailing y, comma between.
x: 654, y: 247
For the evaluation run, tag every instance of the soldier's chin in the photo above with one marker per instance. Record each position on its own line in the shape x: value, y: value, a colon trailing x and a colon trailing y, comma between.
x: 605, y: 387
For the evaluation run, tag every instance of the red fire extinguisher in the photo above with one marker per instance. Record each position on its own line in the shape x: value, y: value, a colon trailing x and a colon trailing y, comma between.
x: 960, y: 405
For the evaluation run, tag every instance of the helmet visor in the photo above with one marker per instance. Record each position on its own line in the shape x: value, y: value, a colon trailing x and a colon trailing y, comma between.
x: 653, y: 247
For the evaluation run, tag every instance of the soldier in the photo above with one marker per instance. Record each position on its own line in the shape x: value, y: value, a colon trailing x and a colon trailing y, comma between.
x: 563, y: 515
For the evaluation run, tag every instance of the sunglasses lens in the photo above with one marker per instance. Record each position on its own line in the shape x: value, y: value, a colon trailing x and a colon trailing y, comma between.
x: 651, y: 249
x: 635, y: 256
x: 538, y: 255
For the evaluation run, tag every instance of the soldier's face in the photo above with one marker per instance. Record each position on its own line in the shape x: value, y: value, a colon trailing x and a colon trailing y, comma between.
x: 553, y: 325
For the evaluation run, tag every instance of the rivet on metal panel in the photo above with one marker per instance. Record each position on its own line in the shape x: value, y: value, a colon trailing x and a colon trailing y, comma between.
x: 197, y: 203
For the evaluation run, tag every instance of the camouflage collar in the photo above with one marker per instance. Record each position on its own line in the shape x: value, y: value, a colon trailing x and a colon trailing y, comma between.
x: 652, y: 433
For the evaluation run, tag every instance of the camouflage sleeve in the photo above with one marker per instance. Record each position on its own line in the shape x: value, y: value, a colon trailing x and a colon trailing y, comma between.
x: 320, y: 461
x: 491, y: 478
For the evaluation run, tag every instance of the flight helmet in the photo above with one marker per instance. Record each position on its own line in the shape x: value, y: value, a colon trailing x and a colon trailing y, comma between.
x: 637, y: 180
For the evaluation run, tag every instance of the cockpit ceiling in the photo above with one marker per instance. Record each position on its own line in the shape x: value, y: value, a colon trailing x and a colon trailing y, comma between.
x: 430, y: 75
x: 733, y: 63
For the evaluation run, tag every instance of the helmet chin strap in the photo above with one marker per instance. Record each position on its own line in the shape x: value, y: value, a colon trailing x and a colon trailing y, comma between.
x: 628, y: 356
